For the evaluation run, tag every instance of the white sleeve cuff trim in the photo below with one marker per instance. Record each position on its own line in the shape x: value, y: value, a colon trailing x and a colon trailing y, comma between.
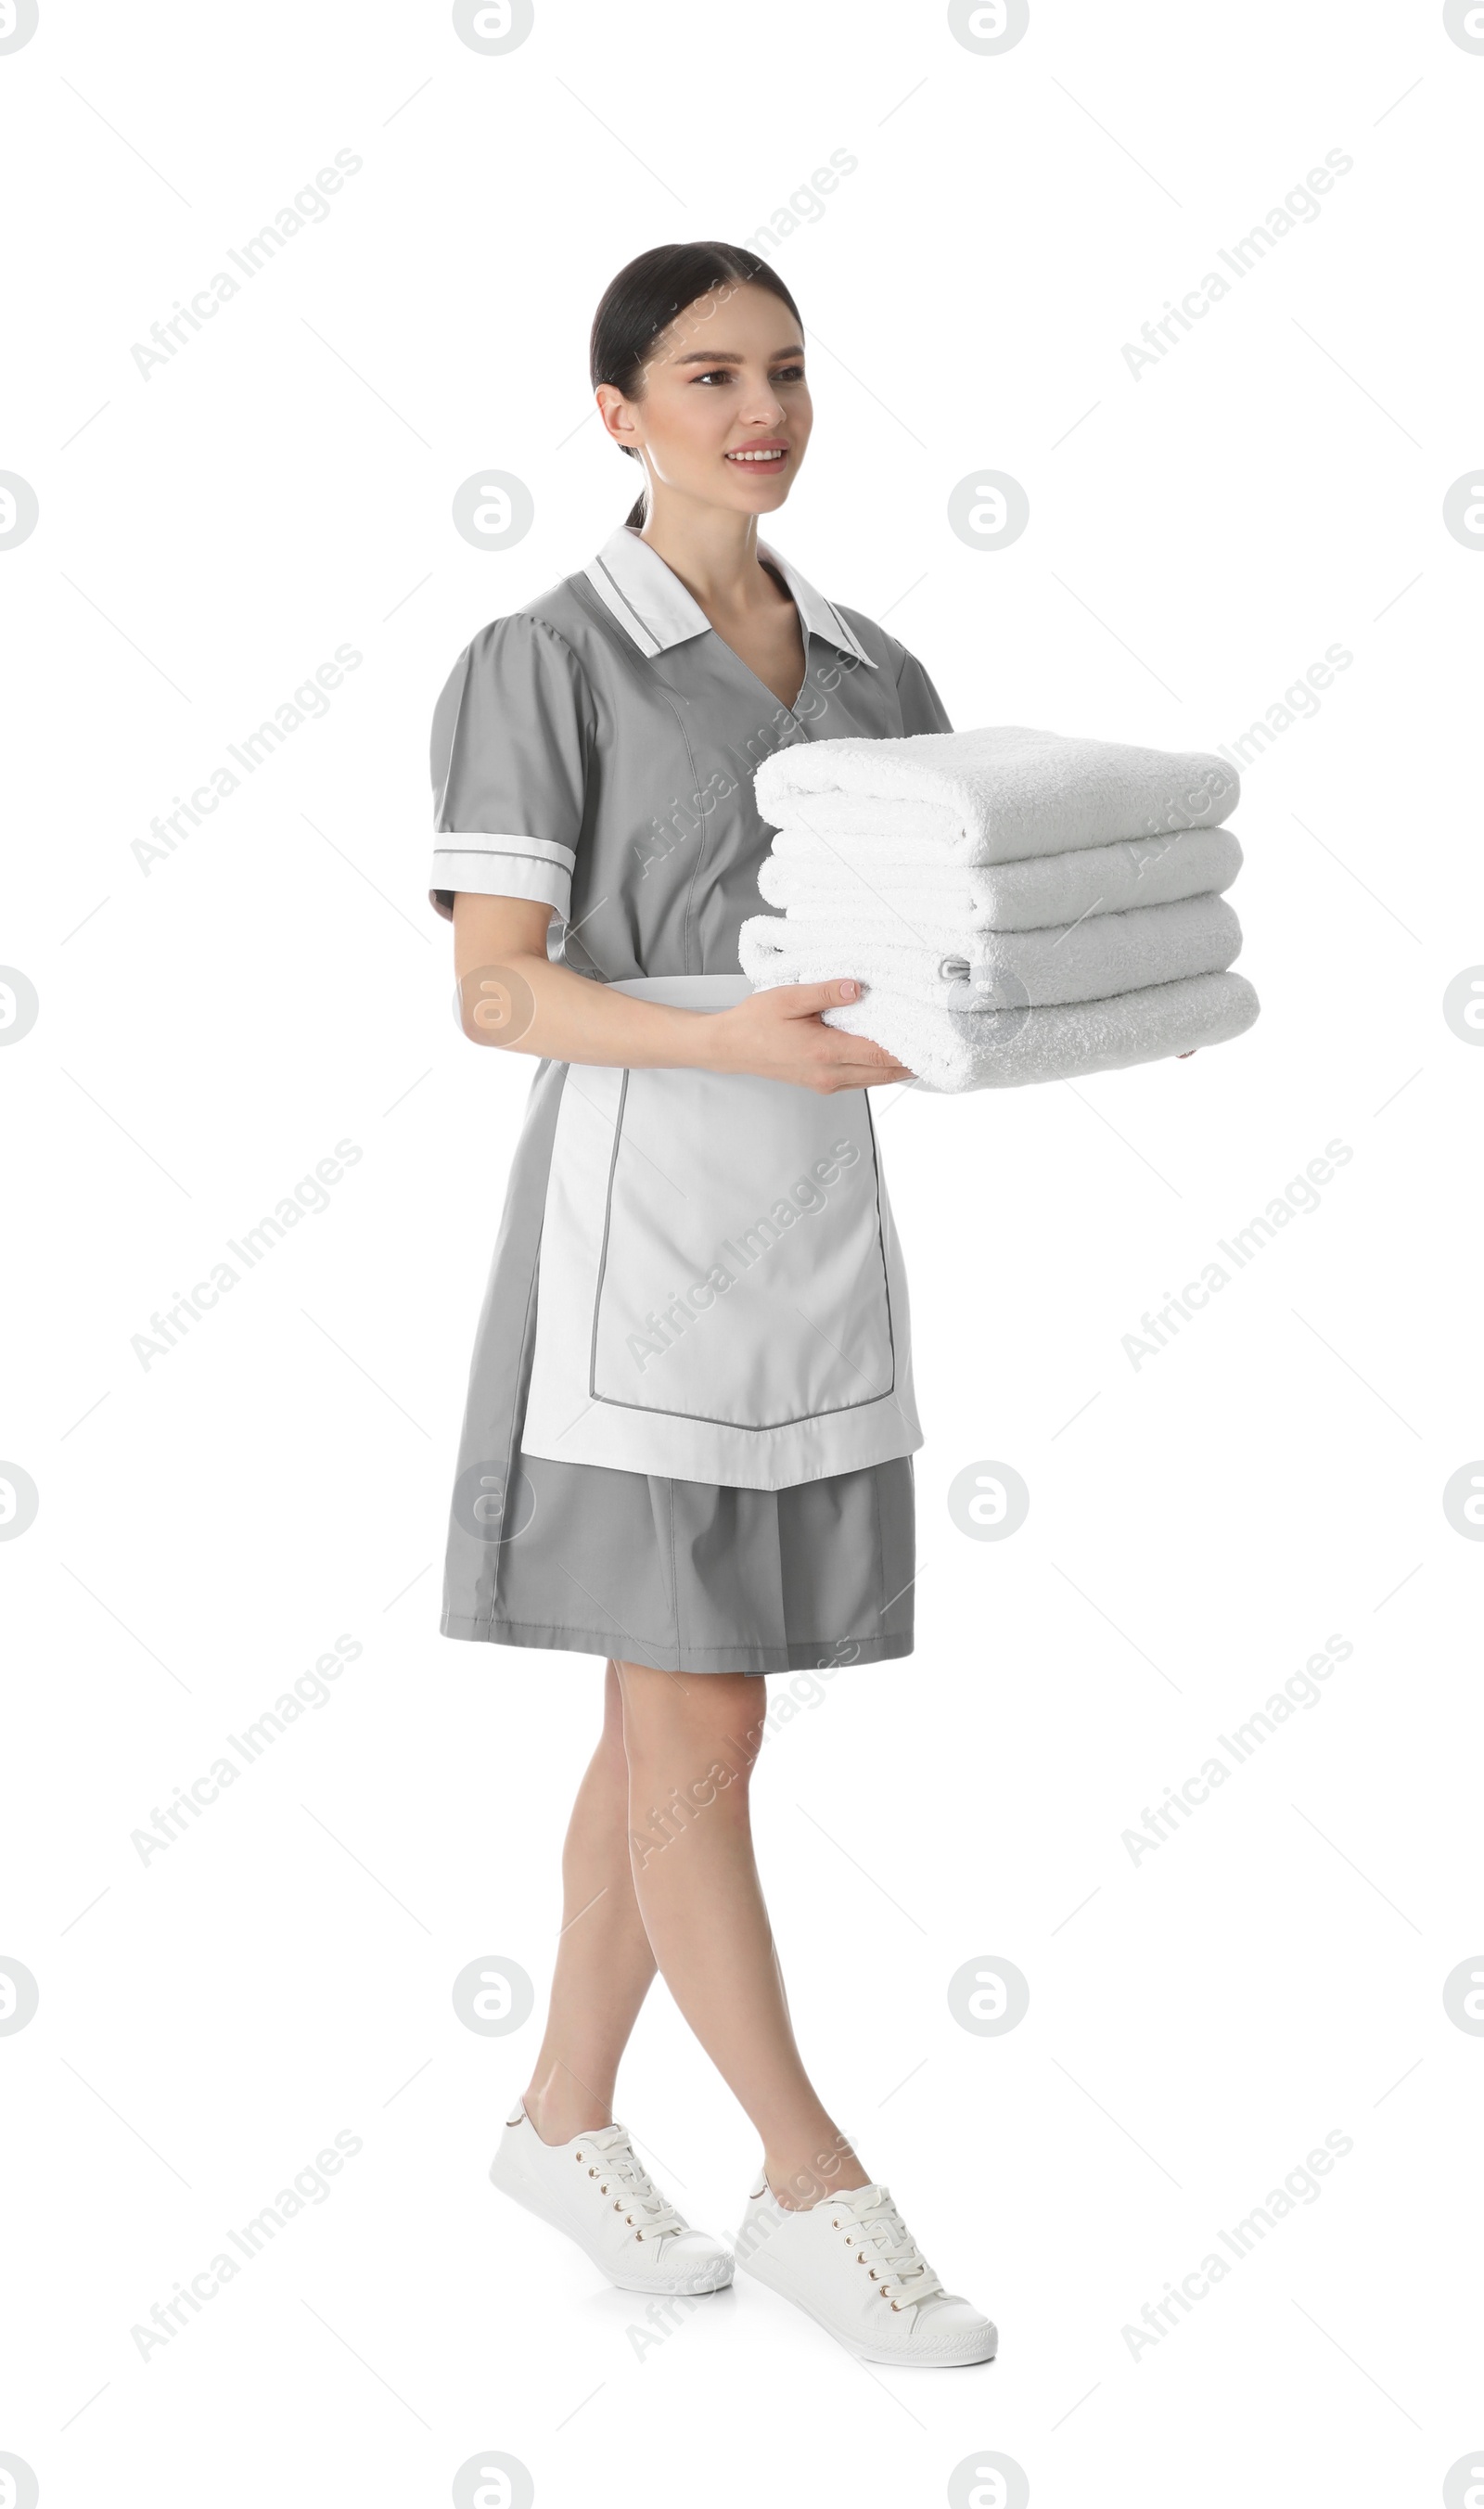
x: 546, y: 881
x: 468, y: 841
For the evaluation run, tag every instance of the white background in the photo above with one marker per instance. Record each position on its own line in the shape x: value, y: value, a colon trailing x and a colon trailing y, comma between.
x: 1198, y: 1526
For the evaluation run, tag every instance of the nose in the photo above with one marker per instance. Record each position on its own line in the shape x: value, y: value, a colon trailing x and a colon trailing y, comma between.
x: 761, y: 406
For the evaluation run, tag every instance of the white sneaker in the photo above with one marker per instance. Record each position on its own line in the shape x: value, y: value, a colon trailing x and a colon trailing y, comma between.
x: 597, y: 2189
x: 852, y: 2264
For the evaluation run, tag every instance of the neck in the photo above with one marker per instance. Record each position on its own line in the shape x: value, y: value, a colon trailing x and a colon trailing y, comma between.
x: 711, y: 549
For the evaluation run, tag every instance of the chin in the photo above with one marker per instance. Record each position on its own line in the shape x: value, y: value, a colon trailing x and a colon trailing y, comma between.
x: 759, y: 495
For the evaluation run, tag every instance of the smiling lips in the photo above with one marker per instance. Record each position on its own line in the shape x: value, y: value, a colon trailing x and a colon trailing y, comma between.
x: 759, y: 457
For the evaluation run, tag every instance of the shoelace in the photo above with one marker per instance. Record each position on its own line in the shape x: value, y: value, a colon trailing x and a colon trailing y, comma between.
x: 612, y: 2162
x: 903, y: 2274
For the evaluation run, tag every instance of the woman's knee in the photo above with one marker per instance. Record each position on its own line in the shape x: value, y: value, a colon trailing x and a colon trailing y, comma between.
x: 714, y: 1720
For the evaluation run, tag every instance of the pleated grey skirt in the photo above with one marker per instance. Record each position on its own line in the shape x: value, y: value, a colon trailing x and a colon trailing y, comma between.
x: 690, y: 1577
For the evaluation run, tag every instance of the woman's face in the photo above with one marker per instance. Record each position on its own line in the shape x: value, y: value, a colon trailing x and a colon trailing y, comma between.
x: 727, y: 379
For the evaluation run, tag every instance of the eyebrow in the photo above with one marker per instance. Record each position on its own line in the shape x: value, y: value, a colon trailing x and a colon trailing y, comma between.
x: 731, y: 357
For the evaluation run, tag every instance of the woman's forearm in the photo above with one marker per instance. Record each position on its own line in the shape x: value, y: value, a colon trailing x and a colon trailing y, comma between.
x: 512, y: 994
x: 531, y: 1005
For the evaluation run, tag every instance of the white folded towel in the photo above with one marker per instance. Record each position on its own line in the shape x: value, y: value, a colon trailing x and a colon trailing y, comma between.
x: 873, y: 873
x: 988, y: 971
x: 957, y: 1050
x: 995, y: 796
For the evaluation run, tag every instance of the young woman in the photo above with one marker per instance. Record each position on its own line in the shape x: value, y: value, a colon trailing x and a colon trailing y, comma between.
x: 688, y: 1441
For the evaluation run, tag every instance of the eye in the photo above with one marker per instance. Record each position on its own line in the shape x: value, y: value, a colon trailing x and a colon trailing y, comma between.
x: 724, y: 374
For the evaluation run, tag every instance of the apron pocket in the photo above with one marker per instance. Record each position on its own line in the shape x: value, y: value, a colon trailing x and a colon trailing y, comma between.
x: 742, y: 1276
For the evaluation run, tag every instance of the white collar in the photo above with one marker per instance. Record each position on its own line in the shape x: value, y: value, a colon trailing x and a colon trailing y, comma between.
x: 650, y: 603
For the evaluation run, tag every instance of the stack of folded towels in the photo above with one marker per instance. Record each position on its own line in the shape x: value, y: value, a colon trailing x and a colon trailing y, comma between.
x: 1020, y: 905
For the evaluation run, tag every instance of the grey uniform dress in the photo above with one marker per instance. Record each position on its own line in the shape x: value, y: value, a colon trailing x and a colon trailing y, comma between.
x: 712, y: 1477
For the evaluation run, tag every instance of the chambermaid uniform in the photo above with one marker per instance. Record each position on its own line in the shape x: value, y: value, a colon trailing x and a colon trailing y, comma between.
x: 689, y: 1423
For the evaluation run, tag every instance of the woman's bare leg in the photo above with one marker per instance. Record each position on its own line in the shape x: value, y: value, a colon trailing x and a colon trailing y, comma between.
x: 691, y: 1740
x: 604, y: 1963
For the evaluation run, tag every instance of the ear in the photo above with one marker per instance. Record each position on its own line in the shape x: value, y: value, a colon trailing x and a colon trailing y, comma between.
x: 615, y: 413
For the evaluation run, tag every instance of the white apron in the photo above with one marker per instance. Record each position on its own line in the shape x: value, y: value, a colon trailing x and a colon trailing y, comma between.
x: 721, y: 1294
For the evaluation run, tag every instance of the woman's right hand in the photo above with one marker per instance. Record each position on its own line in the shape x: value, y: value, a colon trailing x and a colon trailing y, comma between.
x: 779, y: 1034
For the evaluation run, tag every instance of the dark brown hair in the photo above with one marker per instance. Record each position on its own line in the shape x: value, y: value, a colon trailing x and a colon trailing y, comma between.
x: 644, y: 300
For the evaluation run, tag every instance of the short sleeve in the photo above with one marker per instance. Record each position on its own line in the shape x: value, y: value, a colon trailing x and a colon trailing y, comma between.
x: 512, y: 735
x: 923, y: 708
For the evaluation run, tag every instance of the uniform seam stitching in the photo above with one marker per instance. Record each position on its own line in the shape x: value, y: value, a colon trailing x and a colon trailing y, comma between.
x: 517, y: 1420
x: 733, y: 1648
x: 513, y: 1437
x: 875, y: 1501
x: 695, y: 786
x: 675, y: 1609
x: 588, y: 691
